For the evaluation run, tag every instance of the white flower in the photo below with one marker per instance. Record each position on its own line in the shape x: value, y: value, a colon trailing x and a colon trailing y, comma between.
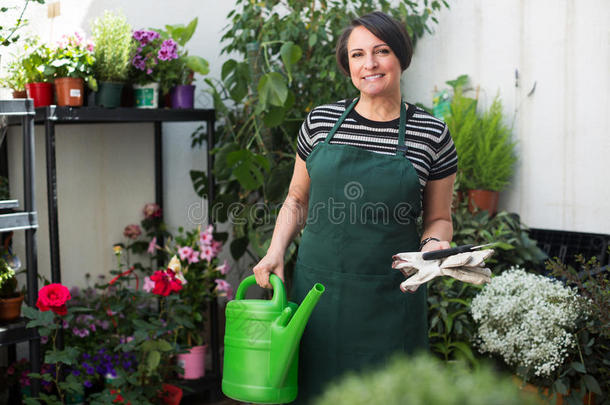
x: 528, y: 320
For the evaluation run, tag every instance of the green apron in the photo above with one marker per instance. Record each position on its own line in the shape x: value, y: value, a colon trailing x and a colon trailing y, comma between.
x: 363, y: 208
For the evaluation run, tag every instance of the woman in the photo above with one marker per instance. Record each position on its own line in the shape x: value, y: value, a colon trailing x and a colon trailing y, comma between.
x: 365, y: 169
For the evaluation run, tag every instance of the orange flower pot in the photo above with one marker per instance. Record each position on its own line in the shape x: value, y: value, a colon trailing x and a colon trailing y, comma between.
x: 20, y: 94
x: 10, y: 308
x: 484, y: 200
x: 70, y: 91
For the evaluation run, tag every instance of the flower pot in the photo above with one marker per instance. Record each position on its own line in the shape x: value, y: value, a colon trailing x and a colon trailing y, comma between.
x: 484, y: 200
x: 41, y: 93
x: 170, y: 394
x: 70, y: 91
x: 10, y: 308
x: 182, y: 96
x: 146, y: 95
x: 20, y: 94
x: 109, y: 94
x: 587, y: 399
x: 193, y: 363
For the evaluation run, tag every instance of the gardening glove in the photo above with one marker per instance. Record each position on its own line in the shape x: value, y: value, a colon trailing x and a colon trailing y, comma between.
x: 467, y: 267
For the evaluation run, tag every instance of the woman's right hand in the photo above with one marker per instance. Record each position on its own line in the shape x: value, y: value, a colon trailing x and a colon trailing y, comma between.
x: 271, y: 263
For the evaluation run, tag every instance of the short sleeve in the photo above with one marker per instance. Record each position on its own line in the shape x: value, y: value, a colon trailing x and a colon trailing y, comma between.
x: 304, y: 139
x: 446, y: 159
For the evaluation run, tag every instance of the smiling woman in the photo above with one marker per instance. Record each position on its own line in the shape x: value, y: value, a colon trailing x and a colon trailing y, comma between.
x: 376, y: 151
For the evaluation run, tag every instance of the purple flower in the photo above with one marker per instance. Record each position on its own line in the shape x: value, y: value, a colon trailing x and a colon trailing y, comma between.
x: 76, y: 372
x: 44, y: 339
x: 138, y: 35
x: 168, y: 50
x: 87, y: 384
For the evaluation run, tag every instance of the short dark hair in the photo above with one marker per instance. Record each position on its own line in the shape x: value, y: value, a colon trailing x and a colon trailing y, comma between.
x: 384, y: 27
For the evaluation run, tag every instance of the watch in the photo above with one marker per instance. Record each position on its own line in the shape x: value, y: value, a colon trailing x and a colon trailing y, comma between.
x: 423, y: 242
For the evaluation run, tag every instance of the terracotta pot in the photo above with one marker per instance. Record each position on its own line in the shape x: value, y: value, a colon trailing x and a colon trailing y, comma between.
x: 41, y: 93
x: 193, y: 363
x: 20, y: 94
x: 70, y: 91
x: 587, y: 399
x: 10, y: 308
x: 484, y: 200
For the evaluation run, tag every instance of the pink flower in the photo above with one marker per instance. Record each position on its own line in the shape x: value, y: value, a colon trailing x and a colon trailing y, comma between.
x: 224, y: 268
x: 216, y: 247
x: 132, y: 231
x: 152, y: 245
x: 185, y: 252
x: 207, y: 253
x: 193, y: 257
x: 148, y: 284
x: 224, y: 288
x: 205, y: 238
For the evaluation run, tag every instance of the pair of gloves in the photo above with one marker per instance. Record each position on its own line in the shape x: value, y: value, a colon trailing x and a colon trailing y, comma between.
x: 467, y: 267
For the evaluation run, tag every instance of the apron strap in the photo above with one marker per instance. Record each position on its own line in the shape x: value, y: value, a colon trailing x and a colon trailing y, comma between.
x: 340, y: 120
x: 401, y: 149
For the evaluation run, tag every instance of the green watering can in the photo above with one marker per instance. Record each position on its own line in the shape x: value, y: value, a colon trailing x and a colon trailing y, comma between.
x: 262, y: 344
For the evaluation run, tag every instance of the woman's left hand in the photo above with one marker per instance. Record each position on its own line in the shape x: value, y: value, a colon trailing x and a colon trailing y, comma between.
x: 434, y: 245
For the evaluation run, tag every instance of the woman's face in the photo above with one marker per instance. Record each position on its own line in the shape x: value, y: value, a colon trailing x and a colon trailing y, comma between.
x: 374, y: 68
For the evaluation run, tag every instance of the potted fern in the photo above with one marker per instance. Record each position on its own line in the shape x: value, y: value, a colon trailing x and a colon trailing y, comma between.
x: 10, y: 298
x: 111, y: 35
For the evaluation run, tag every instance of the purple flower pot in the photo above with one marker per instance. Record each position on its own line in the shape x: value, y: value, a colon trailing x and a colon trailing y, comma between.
x: 182, y: 96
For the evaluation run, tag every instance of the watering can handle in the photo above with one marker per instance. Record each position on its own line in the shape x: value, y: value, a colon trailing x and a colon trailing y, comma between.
x: 279, y: 292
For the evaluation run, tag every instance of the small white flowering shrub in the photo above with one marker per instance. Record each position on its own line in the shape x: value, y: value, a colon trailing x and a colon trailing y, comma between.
x: 528, y: 320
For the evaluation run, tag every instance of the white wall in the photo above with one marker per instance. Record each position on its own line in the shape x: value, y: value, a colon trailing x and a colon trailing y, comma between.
x: 561, y: 45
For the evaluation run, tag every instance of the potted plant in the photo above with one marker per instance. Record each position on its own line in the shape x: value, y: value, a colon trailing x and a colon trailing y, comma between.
x: 15, y: 79
x: 178, y: 77
x: 10, y: 298
x: 484, y: 145
x: 111, y: 35
x: 38, y: 74
x: 198, y: 252
x: 530, y: 322
x: 73, y: 63
x: 152, y: 57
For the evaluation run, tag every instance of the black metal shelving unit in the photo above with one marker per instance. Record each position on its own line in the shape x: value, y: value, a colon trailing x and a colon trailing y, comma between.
x: 51, y: 116
x: 11, y: 219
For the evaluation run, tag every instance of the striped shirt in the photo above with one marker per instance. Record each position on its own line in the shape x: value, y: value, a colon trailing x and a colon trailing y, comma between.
x: 430, y: 148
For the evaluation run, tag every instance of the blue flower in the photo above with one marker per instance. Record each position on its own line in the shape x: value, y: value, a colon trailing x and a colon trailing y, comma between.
x: 87, y: 384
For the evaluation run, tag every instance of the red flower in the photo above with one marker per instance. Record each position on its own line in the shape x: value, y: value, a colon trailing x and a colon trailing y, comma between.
x: 152, y: 210
x: 165, y: 282
x: 53, y: 297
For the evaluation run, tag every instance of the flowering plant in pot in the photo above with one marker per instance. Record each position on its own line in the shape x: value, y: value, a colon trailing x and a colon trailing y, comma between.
x: 111, y: 35
x: 10, y: 298
x: 178, y: 77
x: 73, y: 63
x: 152, y: 58
x: 15, y: 78
x: 38, y: 73
x: 530, y: 322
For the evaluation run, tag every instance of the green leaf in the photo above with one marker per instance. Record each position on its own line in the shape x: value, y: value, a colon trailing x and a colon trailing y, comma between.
x: 67, y: 356
x: 238, y: 247
x: 578, y: 366
x: 592, y: 384
x: 272, y: 89
x: 152, y: 360
x: 560, y: 387
x: 227, y: 68
x: 163, y: 345
x: 197, y: 64
x: 313, y: 38
x: 274, y: 117
x: 290, y: 53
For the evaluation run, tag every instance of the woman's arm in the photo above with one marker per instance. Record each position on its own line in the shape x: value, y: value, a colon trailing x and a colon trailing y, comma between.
x: 291, y: 219
x: 437, y: 213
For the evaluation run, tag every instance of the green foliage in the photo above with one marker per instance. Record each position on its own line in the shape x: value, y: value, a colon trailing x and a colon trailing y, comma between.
x: 451, y: 327
x: 8, y: 281
x: 423, y: 380
x: 588, y: 369
x: 15, y: 79
x: 113, y: 47
x: 483, y: 142
x: 73, y: 59
x: 282, y: 65
x: 37, y: 63
x: 7, y: 34
x: 513, y: 244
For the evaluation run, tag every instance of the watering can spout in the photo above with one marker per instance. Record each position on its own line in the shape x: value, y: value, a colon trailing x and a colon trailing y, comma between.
x: 286, y: 334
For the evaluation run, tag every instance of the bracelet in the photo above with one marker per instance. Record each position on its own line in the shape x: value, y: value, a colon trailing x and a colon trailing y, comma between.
x: 423, y: 242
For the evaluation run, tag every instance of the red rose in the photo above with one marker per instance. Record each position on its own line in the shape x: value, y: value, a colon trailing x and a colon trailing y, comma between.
x: 53, y: 297
x: 152, y: 210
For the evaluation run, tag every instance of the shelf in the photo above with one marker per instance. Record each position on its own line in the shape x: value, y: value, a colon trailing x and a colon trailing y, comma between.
x: 15, y: 332
x: 17, y: 107
x: 92, y: 115
x: 18, y: 220
x: 9, y: 204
